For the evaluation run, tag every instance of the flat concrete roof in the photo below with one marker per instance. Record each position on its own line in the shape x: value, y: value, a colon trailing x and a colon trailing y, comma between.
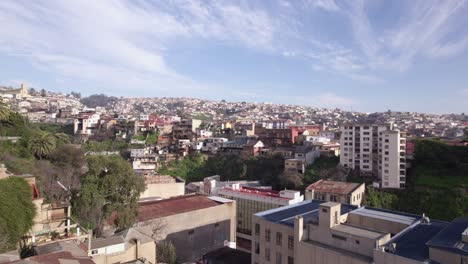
x: 357, y: 231
x: 398, y: 217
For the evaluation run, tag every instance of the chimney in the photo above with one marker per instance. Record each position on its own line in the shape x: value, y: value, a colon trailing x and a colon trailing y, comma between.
x: 138, y: 248
x: 298, y: 227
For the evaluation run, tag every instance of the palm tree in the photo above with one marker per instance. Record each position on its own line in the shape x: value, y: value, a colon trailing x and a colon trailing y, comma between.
x: 62, y: 138
x: 41, y: 144
x: 4, y: 110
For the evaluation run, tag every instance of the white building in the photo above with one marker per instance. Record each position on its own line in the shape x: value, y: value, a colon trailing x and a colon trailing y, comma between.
x: 85, y: 123
x: 375, y: 149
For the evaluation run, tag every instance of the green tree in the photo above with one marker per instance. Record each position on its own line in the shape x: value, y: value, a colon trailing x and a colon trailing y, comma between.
x: 16, y: 211
x: 4, y: 110
x: 41, y: 144
x: 109, y: 188
x: 166, y: 252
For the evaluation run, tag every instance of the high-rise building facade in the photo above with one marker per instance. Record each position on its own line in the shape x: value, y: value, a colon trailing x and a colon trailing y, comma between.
x: 375, y: 149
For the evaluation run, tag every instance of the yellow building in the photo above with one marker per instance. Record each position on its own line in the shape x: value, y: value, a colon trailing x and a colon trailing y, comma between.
x: 19, y: 93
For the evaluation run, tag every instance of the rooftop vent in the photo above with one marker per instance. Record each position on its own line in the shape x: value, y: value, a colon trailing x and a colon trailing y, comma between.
x: 465, y: 235
x: 425, y: 219
x: 391, y: 248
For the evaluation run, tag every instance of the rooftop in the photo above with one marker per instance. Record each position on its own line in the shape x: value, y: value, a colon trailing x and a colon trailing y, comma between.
x: 61, y: 257
x: 227, y: 255
x: 309, y: 210
x: 259, y: 191
x: 148, y: 210
x: 358, y: 231
x: 388, y: 215
x: 411, y: 242
x: 450, y: 237
x: 105, y: 242
x: 333, y: 186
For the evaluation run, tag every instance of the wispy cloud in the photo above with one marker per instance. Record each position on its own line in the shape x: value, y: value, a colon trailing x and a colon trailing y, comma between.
x: 126, y: 44
x: 424, y: 28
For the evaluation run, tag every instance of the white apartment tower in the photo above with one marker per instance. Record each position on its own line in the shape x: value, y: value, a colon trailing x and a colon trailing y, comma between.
x: 375, y: 149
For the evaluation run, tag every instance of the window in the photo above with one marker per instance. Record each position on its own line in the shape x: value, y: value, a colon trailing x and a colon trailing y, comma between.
x: 324, y: 210
x: 257, y: 248
x: 357, y: 242
x: 190, y: 232
x: 333, y: 198
x: 278, y: 257
x: 279, y: 238
x: 216, y: 225
x: 339, y: 237
x: 290, y: 242
x: 267, y: 235
x: 291, y: 260
x: 267, y: 254
x: 94, y: 252
x: 257, y: 229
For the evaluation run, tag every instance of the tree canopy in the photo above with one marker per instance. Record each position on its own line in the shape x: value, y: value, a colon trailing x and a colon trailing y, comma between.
x: 109, y: 188
x: 16, y: 211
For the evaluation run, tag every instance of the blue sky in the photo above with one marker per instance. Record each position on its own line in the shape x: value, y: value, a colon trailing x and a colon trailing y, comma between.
x: 357, y: 55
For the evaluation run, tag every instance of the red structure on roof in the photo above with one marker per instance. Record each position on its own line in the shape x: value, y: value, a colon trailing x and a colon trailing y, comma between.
x: 176, y: 205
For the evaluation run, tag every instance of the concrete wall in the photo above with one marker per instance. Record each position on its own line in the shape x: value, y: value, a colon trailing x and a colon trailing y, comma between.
x: 197, y: 232
x: 381, y: 257
x: 444, y: 257
x: 315, y: 254
x: 133, y: 252
x: 164, y: 190
x: 379, y: 225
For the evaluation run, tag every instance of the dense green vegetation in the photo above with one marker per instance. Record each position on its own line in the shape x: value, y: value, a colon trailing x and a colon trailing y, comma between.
x: 106, y: 145
x: 97, y: 100
x: 437, y: 183
x: 16, y: 211
x: 109, y: 192
x: 266, y: 169
x: 99, y: 186
x: 166, y: 252
x: 322, y: 168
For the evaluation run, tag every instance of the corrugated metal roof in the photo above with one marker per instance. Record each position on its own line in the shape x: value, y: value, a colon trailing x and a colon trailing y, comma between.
x: 176, y: 205
x: 333, y: 186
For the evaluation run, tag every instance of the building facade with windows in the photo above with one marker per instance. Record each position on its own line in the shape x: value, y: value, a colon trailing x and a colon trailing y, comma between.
x: 377, y: 150
x: 251, y: 200
x: 314, y: 232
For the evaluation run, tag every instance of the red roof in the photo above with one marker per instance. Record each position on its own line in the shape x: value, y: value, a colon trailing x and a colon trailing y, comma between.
x: 56, y: 258
x: 336, y: 187
x: 176, y: 205
x: 257, y: 191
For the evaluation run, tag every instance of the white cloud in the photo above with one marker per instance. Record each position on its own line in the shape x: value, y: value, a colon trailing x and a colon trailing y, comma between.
x: 125, y: 43
x: 328, y: 5
x: 122, y: 43
x: 423, y: 29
